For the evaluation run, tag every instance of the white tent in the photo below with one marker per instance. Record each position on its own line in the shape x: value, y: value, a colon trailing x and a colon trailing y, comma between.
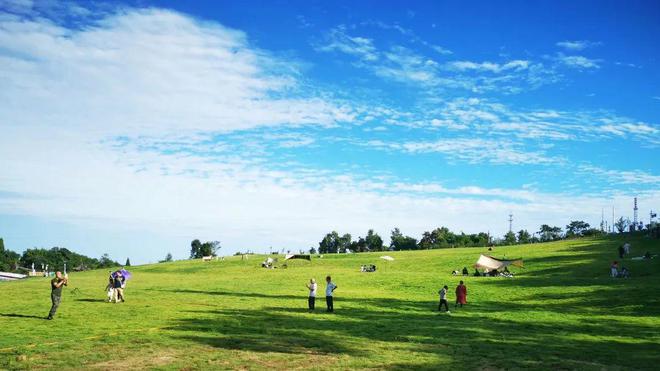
x: 387, y: 257
x: 489, y: 262
x: 6, y: 276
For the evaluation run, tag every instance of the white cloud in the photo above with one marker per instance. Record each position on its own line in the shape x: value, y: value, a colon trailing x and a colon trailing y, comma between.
x: 441, y: 50
x: 578, y: 45
x: 338, y: 40
x: 489, y: 66
x: 578, y: 61
x: 472, y: 150
x: 621, y: 176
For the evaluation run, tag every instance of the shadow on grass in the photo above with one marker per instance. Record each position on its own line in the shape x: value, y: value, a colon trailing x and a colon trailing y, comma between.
x: 469, y: 336
x: 92, y: 300
x: 16, y: 315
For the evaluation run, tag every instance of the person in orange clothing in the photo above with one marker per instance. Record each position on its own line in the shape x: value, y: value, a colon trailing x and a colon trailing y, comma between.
x: 461, y: 294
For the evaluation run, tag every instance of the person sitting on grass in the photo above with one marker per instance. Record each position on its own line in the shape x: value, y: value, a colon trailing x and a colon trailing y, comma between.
x: 625, y: 273
x: 443, y: 299
x: 311, y: 300
x: 465, y: 271
x: 329, y: 289
x: 476, y: 272
x: 614, y: 269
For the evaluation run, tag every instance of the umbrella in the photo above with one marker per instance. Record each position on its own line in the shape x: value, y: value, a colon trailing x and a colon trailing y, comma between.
x: 127, y: 275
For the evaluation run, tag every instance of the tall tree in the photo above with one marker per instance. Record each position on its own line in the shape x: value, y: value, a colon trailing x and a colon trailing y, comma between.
x: 168, y: 257
x: 400, y: 242
x: 128, y: 262
x: 510, y: 238
x: 195, y: 249
x: 622, y: 224
x: 330, y: 243
x: 576, y: 228
x: 345, y: 242
x: 524, y: 236
x: 373, y: 241
x: 548, y: 233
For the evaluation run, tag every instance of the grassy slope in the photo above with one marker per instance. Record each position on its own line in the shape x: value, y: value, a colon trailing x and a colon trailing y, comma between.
x: 562, y: 311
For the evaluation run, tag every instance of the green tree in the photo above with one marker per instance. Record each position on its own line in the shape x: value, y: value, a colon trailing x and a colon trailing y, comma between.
x: 548, y: 233
x: 509, y: 238
x: 622, y: 224
x: 128, y: 262
x: 400, y: 242
x: 344, y: 243
x: 312, y: 250
x: 576, y: 228
x: 524, y: 236
x: 168, y: 258
x: 373, y: 241
x: 330, y: 243
x: 195, y: 249
x: 209, y: 248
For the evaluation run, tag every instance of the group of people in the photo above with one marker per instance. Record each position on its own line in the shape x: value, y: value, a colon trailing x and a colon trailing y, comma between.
x: 329, y: 292
x: 616, y: 273
x: 116, y: 285
x: 624, y: 250
x: 486, y: 273
x: 461, y: 297
x: 368, y: 268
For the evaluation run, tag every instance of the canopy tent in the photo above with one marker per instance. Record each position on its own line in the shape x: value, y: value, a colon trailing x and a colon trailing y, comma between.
x: 6, y: 276
x: 489, y: 262
x: 298, y: 256
x: 387, y: 257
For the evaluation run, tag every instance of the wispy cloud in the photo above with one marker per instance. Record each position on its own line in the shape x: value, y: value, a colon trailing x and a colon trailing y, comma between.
x: 338, y: 40
x: 489, y: 66
x: 578, y: 61
x: 578, y: 45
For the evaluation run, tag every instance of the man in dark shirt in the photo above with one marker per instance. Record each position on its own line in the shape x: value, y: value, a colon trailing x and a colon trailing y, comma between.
x: 119, y: 291
x: 56, y: 292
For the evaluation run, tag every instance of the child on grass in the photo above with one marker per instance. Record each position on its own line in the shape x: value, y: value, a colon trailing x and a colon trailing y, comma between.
x: 329, y: 289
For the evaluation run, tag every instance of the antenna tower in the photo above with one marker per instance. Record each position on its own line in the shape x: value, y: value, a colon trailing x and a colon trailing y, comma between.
x: 510, y: 222
x: 635, y: 213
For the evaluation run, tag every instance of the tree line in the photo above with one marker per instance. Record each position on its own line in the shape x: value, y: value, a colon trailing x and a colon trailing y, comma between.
x: 442, y: 237
x: 54, y: 258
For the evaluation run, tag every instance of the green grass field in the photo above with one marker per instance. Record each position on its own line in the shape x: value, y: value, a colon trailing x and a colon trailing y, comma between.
x: 562, y: 311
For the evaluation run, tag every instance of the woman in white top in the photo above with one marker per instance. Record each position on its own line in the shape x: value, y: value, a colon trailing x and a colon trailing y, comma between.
x: 312, y: 294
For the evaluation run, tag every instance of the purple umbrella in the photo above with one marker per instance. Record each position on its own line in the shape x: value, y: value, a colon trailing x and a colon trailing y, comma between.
x: 127, y: 275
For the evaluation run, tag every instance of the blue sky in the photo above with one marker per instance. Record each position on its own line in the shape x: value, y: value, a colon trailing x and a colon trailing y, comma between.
x: 132, y: 128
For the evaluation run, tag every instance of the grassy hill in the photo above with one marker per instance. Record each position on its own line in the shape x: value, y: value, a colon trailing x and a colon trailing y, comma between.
x: 561, y: 311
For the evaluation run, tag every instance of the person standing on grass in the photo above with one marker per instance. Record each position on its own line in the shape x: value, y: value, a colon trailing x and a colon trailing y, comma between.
x: 329, y: 289
x: 56, y: 292
x: 443, y: 299
x: 461, y: 294
x: 311, y: 301
x: 119, y: 291
x: 626, y: 248
x: 621, y: 251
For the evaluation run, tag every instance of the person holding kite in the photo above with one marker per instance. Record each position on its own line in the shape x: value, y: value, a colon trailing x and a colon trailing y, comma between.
x: 461, y: 294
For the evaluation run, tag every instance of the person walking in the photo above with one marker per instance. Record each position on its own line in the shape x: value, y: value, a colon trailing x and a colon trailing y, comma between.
x: 461, y: 295
x: 56, y: 293
x: 626, y: 248
x: 119, y: 291
x: 311, y: 300
x: 329, y: 289
x: 443, y: 299
x: 622, y: 251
